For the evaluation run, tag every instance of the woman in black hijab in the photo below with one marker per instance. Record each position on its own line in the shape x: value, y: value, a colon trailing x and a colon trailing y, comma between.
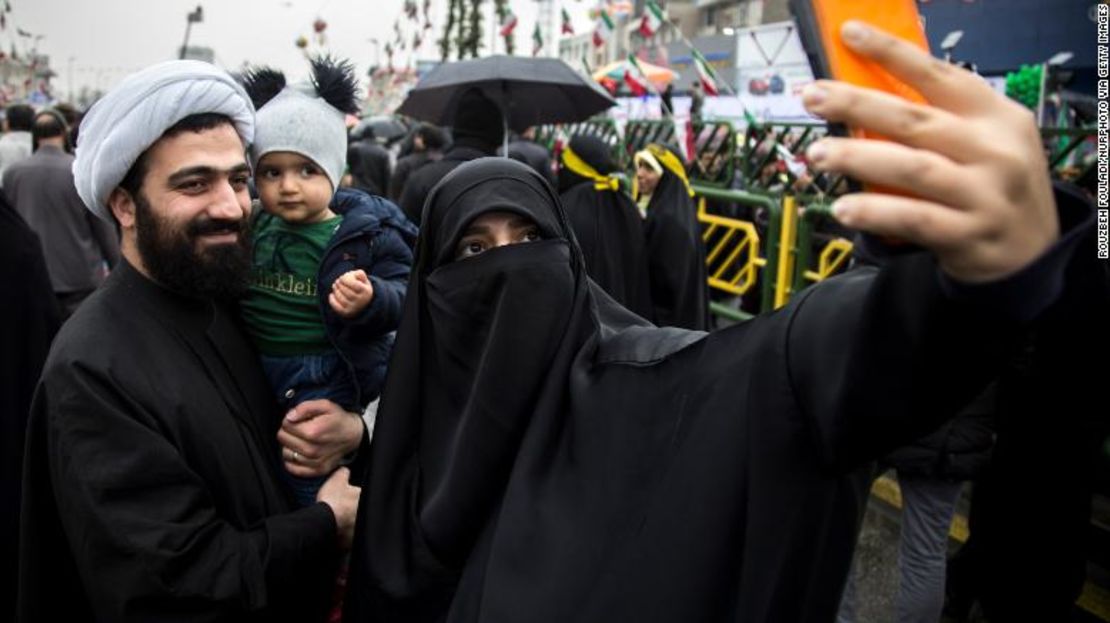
x: 607, y: 225
x: 541, y: 454
x: 676, y: 255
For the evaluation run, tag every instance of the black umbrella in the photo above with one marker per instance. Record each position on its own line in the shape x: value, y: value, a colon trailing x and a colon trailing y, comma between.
x: 529, y: 91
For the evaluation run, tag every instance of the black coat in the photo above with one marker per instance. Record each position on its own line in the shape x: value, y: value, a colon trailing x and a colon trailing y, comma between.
x: 1052, y: 427
x: 543, y: 455
x: 405, y: 167
x: 29, y: 318
x: 369, y: 167
x: 610, y: 232
x: 151, y: 490
x: 376, y: 238
x: 421, y: 181
x: 534, y: 155
x: 957, y: 451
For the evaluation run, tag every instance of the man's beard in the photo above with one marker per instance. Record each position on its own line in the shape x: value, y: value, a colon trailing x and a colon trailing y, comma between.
x: 171, y: 257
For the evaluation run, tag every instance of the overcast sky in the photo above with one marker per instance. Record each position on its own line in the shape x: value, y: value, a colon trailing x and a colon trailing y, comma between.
x: 103, y: 40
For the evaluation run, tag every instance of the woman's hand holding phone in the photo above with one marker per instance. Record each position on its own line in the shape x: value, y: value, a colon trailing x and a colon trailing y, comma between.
x: 969, y: 159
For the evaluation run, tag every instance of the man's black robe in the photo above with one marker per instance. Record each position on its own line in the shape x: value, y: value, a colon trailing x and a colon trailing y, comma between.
x: 151, y: 489
x: 29, y: 318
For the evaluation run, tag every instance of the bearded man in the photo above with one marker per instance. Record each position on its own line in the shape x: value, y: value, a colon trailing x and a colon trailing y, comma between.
x: 151, y: 486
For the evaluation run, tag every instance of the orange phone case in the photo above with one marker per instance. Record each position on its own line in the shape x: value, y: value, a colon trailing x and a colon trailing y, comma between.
x: 823, y: 19
x: 819, y: 23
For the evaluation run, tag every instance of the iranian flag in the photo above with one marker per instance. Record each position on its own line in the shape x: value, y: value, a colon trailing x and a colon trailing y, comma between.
x: 634, y: 77
x: 508, y: 25
x: 705, y: 73
x: 652, y: 20
x: 568, y: 29
x: 637, y: 87
x: 604, y: 29
x: 537, y: 40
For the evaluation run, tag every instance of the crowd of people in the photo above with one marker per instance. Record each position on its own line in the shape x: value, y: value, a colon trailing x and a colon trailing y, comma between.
x: 303, y: 378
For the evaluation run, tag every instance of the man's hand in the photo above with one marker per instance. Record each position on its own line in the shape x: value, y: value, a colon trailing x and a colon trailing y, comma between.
x: 972, y: 161
x: 351, y: 293
x: 316, y: 435
x: 338, y: 493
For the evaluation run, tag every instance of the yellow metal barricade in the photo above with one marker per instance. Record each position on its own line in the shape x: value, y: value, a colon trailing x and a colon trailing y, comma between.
x: 731, y: 252
x: 833, y: 257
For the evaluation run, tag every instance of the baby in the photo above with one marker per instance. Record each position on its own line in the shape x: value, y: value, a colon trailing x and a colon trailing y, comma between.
x: 330, y: 265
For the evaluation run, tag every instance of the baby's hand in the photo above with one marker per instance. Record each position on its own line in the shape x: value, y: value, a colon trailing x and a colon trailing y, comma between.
x: 351, y: 293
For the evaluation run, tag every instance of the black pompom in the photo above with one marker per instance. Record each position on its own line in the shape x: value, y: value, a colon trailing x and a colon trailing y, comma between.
x: 335, y: 82
x: 262, y: 84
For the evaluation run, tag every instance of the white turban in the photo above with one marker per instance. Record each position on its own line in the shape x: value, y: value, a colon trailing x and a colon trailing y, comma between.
x: 134, y: 115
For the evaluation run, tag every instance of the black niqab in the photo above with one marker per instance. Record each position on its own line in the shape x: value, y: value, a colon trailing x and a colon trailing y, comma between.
x: 676, y: 256
x: 608, y: 227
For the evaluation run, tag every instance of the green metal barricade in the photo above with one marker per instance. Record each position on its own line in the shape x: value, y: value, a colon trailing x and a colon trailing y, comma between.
x: 771, y: 159
x: 638, y: 134
x: 733, y: 261
x: 781, y: 260
x: 793, y: 253
x: 714, y: 159
x: 602, y: 128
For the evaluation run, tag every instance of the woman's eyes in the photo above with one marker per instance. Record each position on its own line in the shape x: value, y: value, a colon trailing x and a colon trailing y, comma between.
x: 469, y: 248
x: 472, y: 247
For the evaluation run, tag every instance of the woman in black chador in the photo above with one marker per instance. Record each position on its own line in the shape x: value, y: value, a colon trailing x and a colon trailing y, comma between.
x: 607, y: 225
x: 676, y: 255
x: 543, y: 455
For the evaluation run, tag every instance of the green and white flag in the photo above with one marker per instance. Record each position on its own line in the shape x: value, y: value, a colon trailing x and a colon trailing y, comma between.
x: 705, y: 73
x: 604, y: 29
x: 652, y: 20
x: 635, y: 78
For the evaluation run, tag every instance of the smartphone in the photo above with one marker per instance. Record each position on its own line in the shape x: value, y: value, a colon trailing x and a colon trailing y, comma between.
x: 819, y: 23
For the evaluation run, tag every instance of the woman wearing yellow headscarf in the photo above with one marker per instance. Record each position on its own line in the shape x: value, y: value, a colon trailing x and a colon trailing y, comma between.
x: 676, y: 256
x: 608, y: 227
